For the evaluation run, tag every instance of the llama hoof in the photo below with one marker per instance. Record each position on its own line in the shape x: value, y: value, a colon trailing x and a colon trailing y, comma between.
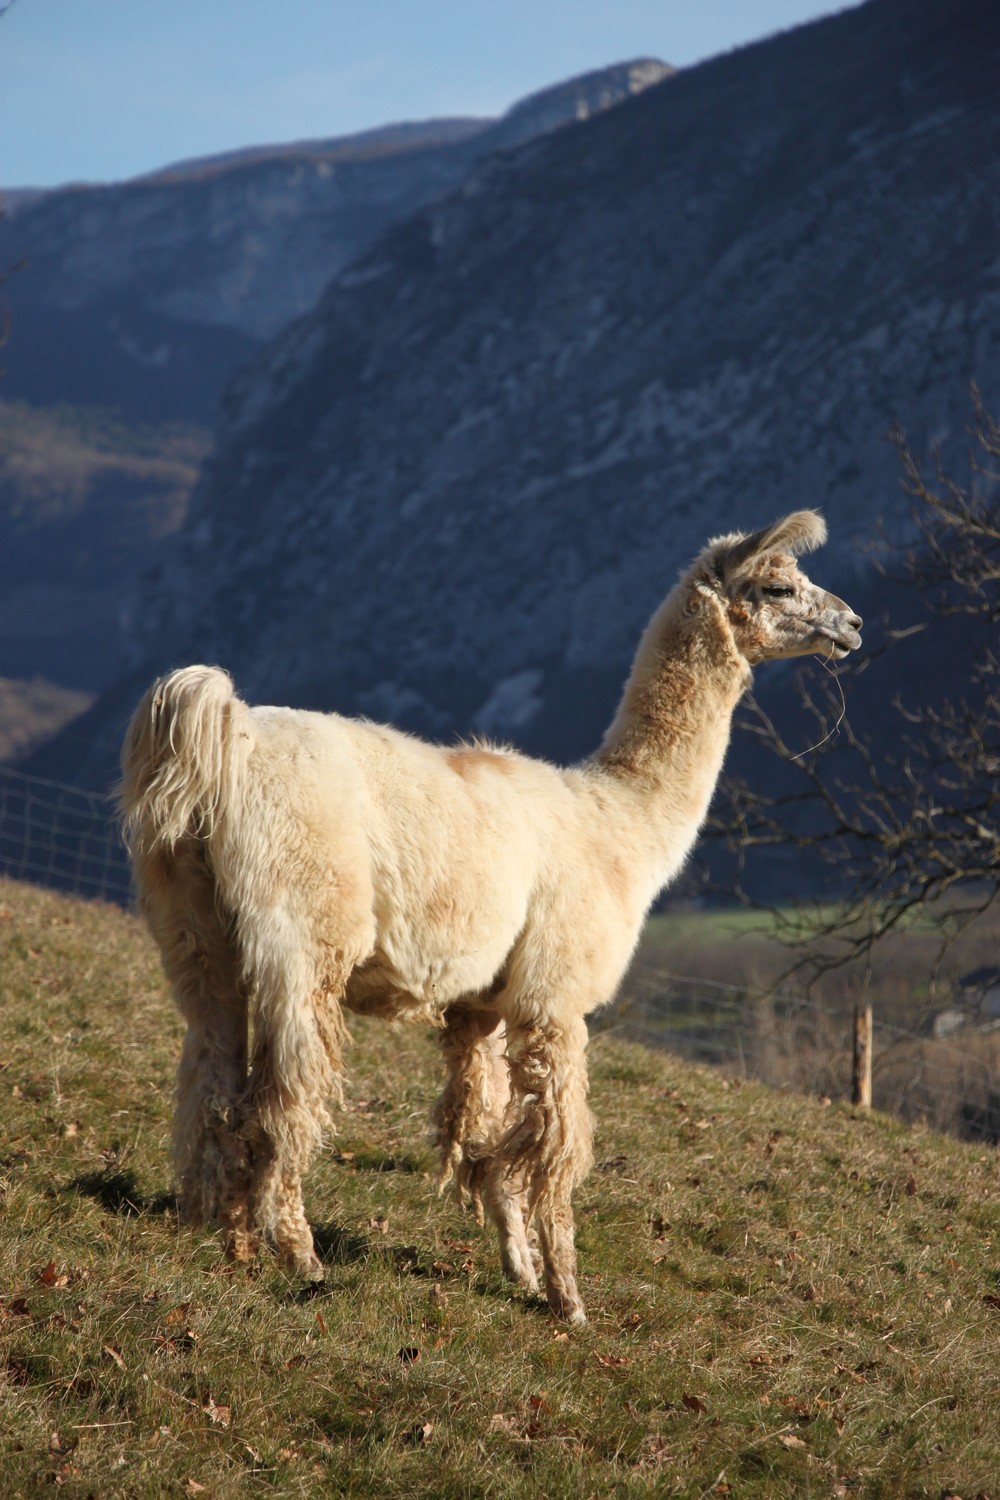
x: 309, y: 1267
x: 240, y: 1248
x: 568, y: 1310
x: 576, y: 1317
x: 519, y: 1267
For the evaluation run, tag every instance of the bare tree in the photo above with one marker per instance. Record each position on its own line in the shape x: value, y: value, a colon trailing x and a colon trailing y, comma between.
x: 913, y: 826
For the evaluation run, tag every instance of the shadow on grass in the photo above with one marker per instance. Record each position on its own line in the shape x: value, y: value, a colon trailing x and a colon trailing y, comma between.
x: 118, y: 1193
x: 337, y: 1246
x: 374, y: 1161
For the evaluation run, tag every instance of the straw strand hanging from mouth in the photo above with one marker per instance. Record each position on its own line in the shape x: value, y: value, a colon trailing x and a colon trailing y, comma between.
x: 840, y: 717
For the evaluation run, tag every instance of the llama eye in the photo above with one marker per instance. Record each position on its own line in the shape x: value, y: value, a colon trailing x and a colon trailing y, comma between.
x: 778, y: 591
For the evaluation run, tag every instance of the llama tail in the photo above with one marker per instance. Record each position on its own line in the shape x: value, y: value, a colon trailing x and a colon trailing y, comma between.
x: 182, y: 757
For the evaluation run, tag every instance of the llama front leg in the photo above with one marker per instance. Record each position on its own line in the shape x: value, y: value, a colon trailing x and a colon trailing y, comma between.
x: 506, y: 1203
x: 548, y: 1145
x: 469, y: 1112
x: 468, y: 1119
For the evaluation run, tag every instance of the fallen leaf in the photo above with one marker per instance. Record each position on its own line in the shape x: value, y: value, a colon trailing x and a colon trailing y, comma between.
x: 116, y: 1355
x: 194, y: 1488
x: 612, y: 1361
x: 320, y: 1322
x: 539, y: 1403
x: 220, y: 1415
x: 694, y: 1403
x: 409, y: 1356
x: 49, y: 1276
x: 789, y: 1440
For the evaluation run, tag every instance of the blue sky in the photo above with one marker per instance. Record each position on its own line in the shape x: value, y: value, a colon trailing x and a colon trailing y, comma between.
x: 97, y: 90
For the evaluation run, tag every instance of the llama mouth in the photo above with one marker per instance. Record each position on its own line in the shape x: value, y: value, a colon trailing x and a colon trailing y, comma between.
x: 838, y: 647
x: 844, y: 648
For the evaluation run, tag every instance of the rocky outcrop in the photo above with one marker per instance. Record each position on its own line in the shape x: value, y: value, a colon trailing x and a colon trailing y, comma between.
x: 452, y: 494
x: 145, y: 295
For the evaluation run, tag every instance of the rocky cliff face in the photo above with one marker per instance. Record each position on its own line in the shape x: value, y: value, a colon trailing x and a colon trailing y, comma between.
x: 145, y: 295
x: 452, y: 494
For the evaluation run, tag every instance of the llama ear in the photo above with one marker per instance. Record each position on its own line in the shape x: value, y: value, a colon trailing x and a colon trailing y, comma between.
x: 802, y: 531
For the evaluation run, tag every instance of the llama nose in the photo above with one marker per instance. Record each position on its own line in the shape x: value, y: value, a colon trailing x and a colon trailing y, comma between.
x: 855, y: 622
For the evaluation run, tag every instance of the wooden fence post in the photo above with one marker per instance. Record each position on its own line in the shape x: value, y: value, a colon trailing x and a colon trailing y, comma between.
x: 862, y: 1082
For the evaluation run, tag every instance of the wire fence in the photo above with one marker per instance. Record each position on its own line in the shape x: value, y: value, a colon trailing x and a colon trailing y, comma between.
x: 786, y: 1040
x: 67, y: 838
x: 61, y: 836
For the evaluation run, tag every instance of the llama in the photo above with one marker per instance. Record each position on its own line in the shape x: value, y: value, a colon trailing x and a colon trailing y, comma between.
x: 292, y: 865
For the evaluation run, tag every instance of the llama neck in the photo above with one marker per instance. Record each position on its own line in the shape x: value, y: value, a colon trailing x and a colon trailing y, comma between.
x: 669, y: 737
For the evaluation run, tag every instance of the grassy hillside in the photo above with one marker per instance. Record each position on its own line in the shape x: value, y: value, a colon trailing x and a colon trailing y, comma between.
x: 785, y: 1299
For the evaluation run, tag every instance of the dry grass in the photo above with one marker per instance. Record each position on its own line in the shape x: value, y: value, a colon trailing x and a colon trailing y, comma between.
x: 785, y: 1299
x: 53, y: 459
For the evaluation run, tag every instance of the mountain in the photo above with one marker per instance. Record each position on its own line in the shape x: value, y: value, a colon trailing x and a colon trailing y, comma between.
x: 452, y: 494
x: 145, y: 295
x: 131, y: 306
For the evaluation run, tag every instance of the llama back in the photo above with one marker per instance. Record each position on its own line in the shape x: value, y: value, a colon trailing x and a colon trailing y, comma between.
x: 183, y: 756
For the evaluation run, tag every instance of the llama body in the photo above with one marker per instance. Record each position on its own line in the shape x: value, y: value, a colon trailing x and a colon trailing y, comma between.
x: 292, y: 865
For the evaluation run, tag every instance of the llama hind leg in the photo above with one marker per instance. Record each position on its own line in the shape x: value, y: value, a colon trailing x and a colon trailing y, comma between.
x: 548, y: 1145
x: 210, y: 1153
x: 468, y: 1119
x: 295, y: 1072
x: 177, y: 894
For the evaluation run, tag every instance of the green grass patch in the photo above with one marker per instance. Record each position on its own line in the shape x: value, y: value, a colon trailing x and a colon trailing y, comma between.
x: 786, y: 1299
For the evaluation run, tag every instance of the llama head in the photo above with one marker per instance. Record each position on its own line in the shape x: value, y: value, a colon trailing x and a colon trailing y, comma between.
x: 773, y: 608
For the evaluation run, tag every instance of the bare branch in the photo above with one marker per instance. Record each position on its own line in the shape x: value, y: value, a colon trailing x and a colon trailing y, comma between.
x: 914, y: 828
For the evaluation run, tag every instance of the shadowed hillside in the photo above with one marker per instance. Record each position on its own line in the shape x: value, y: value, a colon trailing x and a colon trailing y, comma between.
x: 453, y: 494
x: 146, y: 295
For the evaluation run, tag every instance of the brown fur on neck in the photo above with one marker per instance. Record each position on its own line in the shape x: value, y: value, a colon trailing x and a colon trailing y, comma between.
x: 687, y: 678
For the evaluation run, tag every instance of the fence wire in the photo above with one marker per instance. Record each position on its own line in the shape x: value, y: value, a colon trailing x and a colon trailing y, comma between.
x: 791, y: 1041
x: 61, y: 836
x: 67, y: 838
